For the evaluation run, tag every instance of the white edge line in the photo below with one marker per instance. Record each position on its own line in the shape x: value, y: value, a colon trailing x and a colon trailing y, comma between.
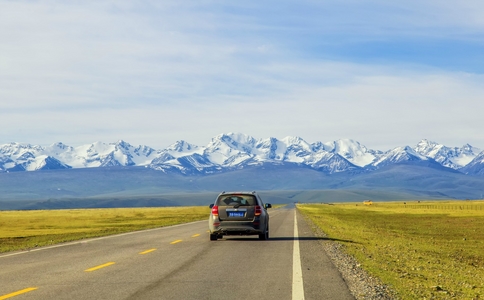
x: 297, y: 279
x: 82, y: 241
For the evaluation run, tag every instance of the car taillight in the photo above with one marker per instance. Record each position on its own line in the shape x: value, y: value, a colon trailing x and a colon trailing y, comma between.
x: 215, y: 210
x: 258, y: 210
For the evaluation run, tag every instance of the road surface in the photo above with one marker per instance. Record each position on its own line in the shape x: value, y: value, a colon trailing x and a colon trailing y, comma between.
x: 179, y: 262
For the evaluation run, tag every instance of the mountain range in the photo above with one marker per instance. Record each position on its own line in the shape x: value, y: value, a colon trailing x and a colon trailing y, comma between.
x: 233, y: 151
x: 284, y: 170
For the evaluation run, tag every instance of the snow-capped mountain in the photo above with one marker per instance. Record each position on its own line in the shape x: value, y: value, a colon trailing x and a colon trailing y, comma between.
x: 19, y: 157
x: 398, y: 155
x: 229, y: 151
x: 454, y: 158
x: 476, y: 166
x: 232, y: 151
x: 354, y: 152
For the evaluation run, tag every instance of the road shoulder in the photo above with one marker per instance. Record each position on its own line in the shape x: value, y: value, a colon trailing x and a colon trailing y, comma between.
x: 358, y: 282
x: 322, y: 280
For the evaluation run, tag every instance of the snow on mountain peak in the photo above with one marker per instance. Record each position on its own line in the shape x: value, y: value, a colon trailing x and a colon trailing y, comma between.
x: 59, y: 145
x: 450, y: 157
x: 288, y: 140
x: 229, y: 149
x: 240, y: 138
x: 398, y: 155
x: 296, y: 149
x: 15, y: 150
x: 426, y: 147
x: 353, y: 151
x: 182, y: 146
x: 122, y: 144
x: 237, y: 141
x: 232, y: 150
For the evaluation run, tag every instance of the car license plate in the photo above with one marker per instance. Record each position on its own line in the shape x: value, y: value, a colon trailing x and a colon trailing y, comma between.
x: 236, y: 214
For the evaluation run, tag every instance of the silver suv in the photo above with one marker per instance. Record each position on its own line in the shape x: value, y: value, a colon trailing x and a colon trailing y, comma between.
x: 239, y: 213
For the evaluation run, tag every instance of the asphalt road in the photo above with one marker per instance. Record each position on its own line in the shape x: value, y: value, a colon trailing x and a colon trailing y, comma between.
x: 179, y: 262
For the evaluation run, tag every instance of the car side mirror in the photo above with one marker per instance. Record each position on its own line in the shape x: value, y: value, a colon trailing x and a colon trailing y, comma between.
x: 211, y: 205
x: 267, y: 205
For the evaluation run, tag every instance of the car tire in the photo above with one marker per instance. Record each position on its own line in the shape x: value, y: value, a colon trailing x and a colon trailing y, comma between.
x: 264, y: 236
x: 213, y: 237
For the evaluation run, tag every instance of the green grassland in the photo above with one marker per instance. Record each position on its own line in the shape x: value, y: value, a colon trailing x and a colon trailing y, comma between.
x: 422, y: 249
x: 20, y: 230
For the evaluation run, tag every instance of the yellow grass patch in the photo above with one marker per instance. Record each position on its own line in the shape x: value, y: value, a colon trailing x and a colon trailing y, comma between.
x: 423, y: 249
x: 34, y: 228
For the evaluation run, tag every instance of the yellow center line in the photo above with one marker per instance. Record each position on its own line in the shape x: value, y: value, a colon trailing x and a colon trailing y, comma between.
x: 195, y: 235
x: 99, y: 267
x: 174, y: 242
x: 148, y: 251
x: 18, y: 293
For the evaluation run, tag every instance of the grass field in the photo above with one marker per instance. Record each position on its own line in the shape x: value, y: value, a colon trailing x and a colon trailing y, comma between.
x: 21, y: 230
x: 423, y: 250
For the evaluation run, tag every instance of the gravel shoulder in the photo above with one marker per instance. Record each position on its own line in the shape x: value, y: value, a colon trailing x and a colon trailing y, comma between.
x: 360, y: 283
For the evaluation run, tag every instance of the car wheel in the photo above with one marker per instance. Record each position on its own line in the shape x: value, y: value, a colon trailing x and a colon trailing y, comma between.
x: 265, y: 235
x: 213, y: 237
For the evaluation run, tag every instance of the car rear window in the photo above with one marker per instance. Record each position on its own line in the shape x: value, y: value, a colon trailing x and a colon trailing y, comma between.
x: 231, y: 200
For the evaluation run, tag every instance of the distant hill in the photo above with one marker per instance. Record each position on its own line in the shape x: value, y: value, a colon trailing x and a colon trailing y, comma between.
x: 121, y: 175
x: 283, y: 183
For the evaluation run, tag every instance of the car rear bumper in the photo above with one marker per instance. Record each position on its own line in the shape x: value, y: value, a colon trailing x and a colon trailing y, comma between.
x: 236, y: 228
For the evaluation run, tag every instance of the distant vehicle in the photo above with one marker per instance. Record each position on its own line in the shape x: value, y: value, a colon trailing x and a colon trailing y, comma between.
x: 239, y: 213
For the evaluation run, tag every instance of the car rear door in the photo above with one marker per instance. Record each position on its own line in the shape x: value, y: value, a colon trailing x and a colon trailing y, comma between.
x: 236, y: 207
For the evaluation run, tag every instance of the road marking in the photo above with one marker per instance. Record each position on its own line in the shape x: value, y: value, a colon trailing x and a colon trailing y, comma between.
x: 174, y: 242
x: 196, y: 235
x: 18, y: 293
x: 297, y: 280
x: 148, y: 251
x: 100, y: 267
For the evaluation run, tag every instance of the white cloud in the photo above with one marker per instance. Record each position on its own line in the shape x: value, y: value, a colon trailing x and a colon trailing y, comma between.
x: 154, y: 72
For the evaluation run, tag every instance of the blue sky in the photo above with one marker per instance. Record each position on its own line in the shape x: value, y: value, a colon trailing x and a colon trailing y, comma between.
x: 383, y: 73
